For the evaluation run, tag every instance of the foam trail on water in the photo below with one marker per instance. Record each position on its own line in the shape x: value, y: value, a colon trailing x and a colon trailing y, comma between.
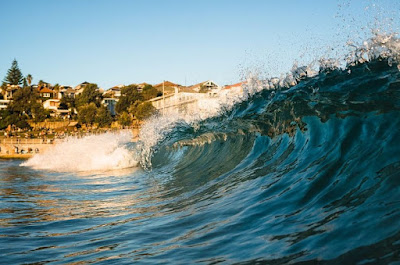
x: 91, y: 153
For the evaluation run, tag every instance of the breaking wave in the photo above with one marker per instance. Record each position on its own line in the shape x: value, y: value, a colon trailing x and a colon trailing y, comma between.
x: 91, y: 153
x: 298, y: 169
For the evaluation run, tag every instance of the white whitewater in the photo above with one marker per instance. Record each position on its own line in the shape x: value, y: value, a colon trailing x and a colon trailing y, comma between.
x: 107, y: 151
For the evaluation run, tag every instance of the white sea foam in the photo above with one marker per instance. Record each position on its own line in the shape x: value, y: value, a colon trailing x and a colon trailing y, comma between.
x: 91, y: 153
x: 159, y: 127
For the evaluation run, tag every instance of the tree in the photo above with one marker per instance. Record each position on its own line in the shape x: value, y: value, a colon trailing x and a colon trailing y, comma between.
x: 29, y: 79
x: 129, y: 94
x: 18, y: 121
x: 125, y: 119
x: 24, y: 100
x: 67, y: 102
x: 142, y: 110
x: 4, y: 114
x: 3, y: 89
x: 39, y: 113
x: 90, y: 94
x: 63, y: 103
x: 87, y: 113
x: 23, y: 107
x: 149, y: 92
x: 14, y: 75
x: 103, y: 117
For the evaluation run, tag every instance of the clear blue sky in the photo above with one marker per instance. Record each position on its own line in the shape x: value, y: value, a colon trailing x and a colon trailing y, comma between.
x: 126, y: 41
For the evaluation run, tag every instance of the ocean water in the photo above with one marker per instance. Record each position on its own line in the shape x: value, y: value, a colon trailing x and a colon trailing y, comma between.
x: 300, y: 170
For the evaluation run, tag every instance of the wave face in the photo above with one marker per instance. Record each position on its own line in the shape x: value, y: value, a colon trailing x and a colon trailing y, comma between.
x: 305, y: 174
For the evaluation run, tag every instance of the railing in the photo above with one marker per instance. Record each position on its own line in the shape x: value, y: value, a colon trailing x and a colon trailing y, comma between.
x: 175, y: 103
x: 25, y: 141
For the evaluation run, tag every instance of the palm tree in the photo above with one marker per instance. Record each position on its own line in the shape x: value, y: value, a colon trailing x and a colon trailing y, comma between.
x: 29, y: 79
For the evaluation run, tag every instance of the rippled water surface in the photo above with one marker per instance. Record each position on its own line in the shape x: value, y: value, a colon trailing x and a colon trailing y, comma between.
x: 308, y: 175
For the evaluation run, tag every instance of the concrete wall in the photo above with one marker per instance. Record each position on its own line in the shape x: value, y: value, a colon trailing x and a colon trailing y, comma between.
x: 52, y: 124
x: 181, y: 102
x: 10, y: 146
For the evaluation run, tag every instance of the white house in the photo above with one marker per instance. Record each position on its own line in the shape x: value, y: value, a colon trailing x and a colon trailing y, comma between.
x: 179, y: 101
x: 208, y: 85
x: 110, y: 104
x: 114, y: 92
x: 79, y: 88
x: 51, y: 104
x: 186, y: 100
x: 4, y: 103
x: 9, y: 91
x: 66, y: 91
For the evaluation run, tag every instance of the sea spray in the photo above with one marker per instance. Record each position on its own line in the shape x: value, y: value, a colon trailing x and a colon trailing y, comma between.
x: 106, y: 151
x: 160, y: 128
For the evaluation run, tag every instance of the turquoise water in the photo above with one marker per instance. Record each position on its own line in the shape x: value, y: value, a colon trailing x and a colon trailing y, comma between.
x: 307, y: 175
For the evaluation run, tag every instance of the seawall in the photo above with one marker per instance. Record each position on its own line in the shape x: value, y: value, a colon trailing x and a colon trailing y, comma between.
x: 16, y: 148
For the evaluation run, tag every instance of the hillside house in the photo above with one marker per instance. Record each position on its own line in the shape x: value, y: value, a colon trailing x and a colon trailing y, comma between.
x: 110, y: 104
x: 114, y: 92
x: 4, y: 104
x: 66, y: 91
x: 205, y: 86
x: 178, y: 102
x: 47, y: 93
x: 51, y: 104
x: 79, y: 88
x: 235, y: 88
x: 9, y: 91
x: 168, y: 87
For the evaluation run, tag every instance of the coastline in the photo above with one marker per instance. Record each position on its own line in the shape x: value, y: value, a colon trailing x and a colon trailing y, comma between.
x: 19, y: 148
x: 15, y: 156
